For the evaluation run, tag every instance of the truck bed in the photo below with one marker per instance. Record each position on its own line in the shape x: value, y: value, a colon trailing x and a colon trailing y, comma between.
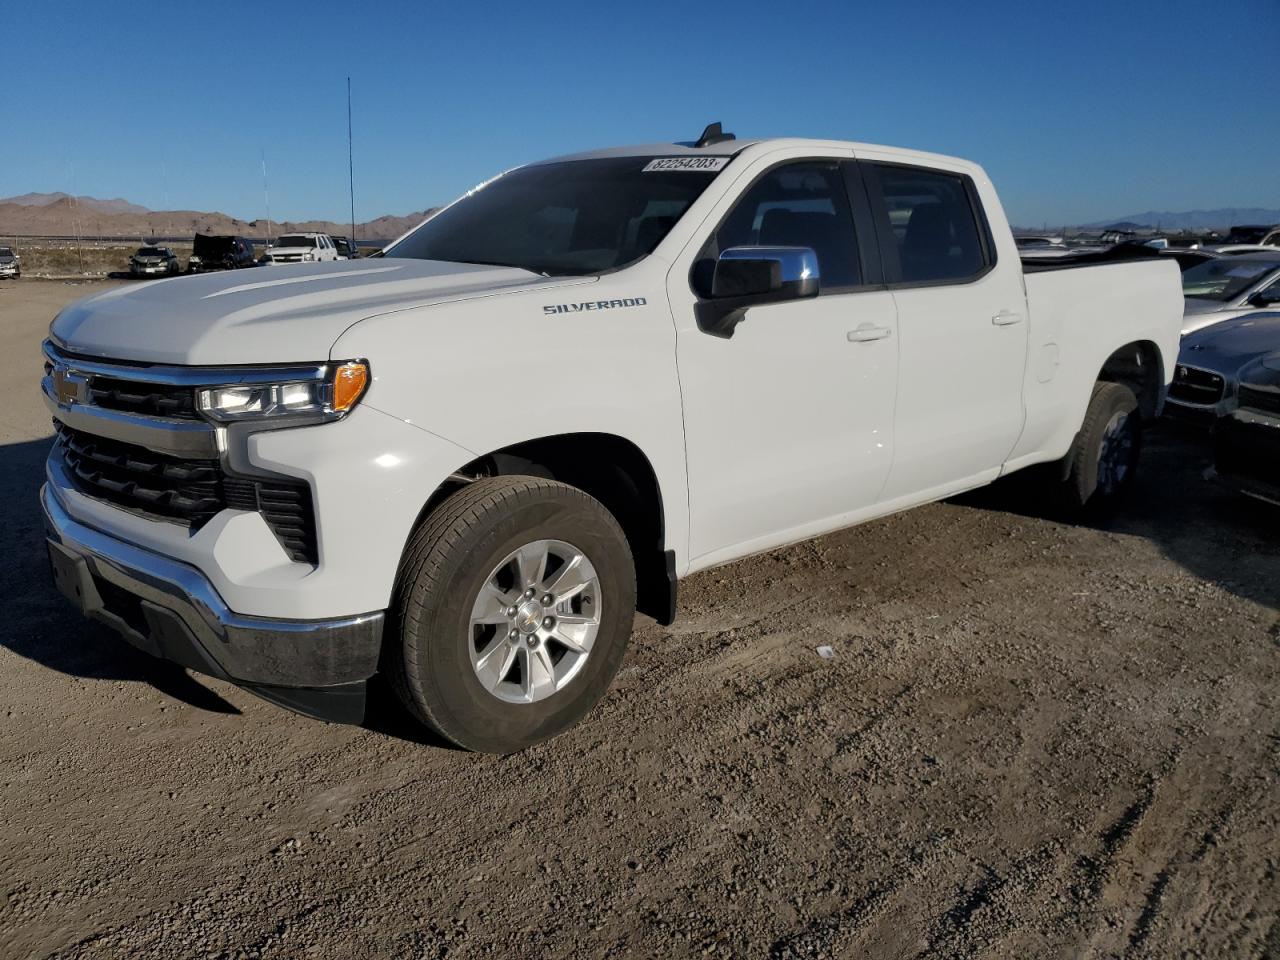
x: 1121, y: 253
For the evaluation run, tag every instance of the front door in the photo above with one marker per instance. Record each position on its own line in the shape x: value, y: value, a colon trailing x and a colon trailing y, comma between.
x: 788, y: 422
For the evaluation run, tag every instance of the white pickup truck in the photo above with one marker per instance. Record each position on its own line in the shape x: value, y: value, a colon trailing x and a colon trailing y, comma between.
x: 467, y: 462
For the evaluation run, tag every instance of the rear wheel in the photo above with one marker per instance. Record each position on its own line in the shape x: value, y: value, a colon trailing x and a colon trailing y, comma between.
x: 1104, y: 457
x: 513, y: 609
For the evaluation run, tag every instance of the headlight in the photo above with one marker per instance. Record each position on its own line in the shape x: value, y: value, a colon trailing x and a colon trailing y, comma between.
x: 308, y: 256
x: 329, y: 397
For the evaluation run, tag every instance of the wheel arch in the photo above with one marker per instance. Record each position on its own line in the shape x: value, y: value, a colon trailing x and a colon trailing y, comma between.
x: 1140, y: 366
x: 610, y: 468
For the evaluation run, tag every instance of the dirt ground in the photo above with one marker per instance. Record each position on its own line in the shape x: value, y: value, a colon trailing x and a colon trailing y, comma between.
x: 1033, y: 739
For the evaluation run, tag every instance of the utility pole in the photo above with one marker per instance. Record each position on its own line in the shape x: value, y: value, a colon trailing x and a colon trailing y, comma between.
x: 75, y: 216
x: 266, y: 197
x: 351, y: 175
x: 164, y: 177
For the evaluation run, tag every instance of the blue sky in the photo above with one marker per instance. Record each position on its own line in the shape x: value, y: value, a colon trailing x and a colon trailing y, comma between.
x: 1079, y: 110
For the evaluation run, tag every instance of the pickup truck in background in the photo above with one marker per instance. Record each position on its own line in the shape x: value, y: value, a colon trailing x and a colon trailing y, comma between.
x: 468, y: 461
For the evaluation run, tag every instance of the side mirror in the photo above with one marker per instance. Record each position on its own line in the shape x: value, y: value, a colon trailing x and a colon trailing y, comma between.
x: 749, y: 276
x: 1266, y: 298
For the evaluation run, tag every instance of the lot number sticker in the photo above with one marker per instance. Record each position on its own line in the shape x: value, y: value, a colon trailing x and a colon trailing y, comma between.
x: 685, y: 163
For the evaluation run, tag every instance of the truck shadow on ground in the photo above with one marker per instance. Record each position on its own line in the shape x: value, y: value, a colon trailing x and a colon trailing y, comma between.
x: 1229, y: 540
x: 1214, y: 533
x: 41, y: 626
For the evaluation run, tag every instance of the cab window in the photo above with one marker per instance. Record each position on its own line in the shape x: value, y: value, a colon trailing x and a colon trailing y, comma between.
x: 929, y: 224
x: 802, y: 204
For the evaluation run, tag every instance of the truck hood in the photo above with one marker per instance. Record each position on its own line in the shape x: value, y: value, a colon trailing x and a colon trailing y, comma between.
x: 265, y: 316
x: 290, y: 250
x: 1227, y: 346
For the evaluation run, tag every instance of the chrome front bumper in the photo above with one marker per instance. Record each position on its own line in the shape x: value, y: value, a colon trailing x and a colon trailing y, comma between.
x: 170, y: 610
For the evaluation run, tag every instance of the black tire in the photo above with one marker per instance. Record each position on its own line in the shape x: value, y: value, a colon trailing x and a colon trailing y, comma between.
x: 447, y: 561
x: 1112, y: 423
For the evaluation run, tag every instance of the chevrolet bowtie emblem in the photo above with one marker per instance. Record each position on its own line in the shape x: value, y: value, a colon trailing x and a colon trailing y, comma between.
x: 68, y: 386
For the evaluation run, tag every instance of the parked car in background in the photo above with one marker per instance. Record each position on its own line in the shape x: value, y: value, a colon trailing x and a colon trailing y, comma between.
x: 1186, y: 257
x: 1227, y: 287
x: 1247, y: 442
x: 815, y: 334
x: 210, y: 252
x: 1210, y: 361
x: 10, y: 263
x: 1026, y: 242
x: 301, y: 248
x: 345, y: 247
x: 154, y: 261
x: 1254, y: 233
x: 1235, y: 249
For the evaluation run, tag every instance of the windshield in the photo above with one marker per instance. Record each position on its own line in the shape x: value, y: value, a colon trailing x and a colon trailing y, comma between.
x: 1224, y: 279
x: 296, y: 242
x: 5, y: 252
x: 572, y: 217
x: 151, y: 252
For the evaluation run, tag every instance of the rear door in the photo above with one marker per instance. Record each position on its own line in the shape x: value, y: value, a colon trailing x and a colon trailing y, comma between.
x: 962, y: 326
x: 788, y: 422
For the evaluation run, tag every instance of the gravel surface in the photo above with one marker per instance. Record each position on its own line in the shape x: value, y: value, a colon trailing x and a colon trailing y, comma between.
x: 1031, y: 739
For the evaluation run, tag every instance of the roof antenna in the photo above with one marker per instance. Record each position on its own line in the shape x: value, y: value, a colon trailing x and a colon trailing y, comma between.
x: 712, y: 135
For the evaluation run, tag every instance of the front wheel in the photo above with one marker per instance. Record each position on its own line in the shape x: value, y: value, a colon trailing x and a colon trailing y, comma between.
x: 1104, y: 457
x: 511, y: 613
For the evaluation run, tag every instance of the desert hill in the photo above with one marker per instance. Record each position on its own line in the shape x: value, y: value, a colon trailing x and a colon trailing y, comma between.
x: 61, y: 215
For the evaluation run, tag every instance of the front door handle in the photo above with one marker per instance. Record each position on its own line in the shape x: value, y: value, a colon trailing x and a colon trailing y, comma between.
x: 1006, y: 318
x: 866, y: 332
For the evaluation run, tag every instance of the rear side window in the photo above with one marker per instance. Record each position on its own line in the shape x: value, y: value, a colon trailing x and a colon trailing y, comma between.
x: 801, y: 204
x: 930, y: 226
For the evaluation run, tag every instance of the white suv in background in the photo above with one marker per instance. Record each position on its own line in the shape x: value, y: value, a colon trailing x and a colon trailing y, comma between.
x: 302, y: 248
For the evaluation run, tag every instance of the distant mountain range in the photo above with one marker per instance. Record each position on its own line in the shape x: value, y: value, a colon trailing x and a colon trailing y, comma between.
x: 1193, y: 219
x: 93, y: 203
x: 60, y: 214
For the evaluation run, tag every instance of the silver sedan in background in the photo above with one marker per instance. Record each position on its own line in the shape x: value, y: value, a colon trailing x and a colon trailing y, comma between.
x: 1227, y: 287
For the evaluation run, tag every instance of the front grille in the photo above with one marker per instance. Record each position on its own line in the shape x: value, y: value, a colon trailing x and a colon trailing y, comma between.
x: 135, y: 396
x: 1254, y: 399
x: 190, y: 492
x: 1193, y: 385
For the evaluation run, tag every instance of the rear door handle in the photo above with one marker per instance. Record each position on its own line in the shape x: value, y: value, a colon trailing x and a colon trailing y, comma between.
x: 1006, y: 318
x: 866, y: 332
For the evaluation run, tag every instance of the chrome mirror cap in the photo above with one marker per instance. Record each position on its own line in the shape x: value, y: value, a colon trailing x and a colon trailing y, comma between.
x: 797, y: 265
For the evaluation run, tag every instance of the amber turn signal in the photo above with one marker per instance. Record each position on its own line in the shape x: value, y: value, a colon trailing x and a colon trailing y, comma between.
x: 349, y: 383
